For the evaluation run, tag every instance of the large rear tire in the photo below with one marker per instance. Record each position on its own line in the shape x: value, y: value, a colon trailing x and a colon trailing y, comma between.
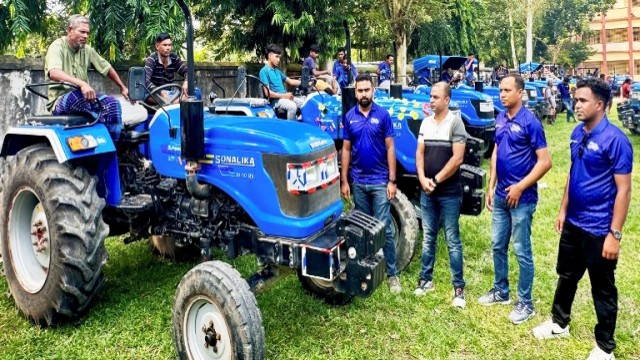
x: 404, y: 227
x: 52, y: 235
x: 215, y: 315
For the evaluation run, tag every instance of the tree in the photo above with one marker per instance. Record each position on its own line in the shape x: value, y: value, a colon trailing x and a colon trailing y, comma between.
x: 250, y: 25
x: 404, y: 17
x: 573, y: 53
x: 19, y: 19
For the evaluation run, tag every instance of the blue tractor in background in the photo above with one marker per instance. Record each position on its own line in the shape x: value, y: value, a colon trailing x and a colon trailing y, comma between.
x: 629, y: 111
x: 477, y: 109
x: 194, y: 180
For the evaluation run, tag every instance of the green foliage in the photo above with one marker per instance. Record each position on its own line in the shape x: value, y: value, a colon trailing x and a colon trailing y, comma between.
x: 244, y: 25
x: 573, y: 53
x: 18, y: 19
x: 451, y: 31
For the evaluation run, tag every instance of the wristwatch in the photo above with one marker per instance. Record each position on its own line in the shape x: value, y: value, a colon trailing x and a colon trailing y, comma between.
x: 393, y: 181
x: 435, y: 181
x: 616, y: 234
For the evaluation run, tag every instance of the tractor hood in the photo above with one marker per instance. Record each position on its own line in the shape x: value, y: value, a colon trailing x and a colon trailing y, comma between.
x: 265, y: 135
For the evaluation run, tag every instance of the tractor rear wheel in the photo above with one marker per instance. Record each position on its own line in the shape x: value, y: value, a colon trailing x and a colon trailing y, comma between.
x: 404, y: 228
x: 52, y: 237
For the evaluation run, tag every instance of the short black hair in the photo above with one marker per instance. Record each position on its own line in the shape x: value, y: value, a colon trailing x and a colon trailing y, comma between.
x: 389, y: 55
x: 162, y: 37
x: 364, y: 77
x: 566, y: 79
x: 471, y: 54
x: 315, y: 48
x: 341, y: 49
x: 599, y: 88
x: 627, y: 81
x: 518, y: 80
x: 273, y: 48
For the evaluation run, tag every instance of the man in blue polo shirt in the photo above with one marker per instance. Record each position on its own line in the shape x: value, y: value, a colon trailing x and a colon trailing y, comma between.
x: 468, y: 69
x: 592, y: 213
x: 368, y: 147
x: 565, y: 97
x: 384, y: 72
x: 275, y: 79
x: 520, y: 158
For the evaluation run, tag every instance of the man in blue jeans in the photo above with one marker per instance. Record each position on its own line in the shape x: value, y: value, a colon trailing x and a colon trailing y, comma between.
x: 368, y: 141
x: 565, y: 97
x: 441, y: 143
x: 593, y: 210
x: 520, y: 158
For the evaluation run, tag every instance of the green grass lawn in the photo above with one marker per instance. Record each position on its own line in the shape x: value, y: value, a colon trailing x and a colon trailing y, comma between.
x: 131, y: 318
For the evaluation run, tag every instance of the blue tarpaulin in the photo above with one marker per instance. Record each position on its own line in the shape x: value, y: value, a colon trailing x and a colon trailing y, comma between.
x: 529, y: 67
x: 423, y: 66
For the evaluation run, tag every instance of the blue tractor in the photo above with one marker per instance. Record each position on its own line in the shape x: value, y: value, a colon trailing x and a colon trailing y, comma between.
x: 326, y: 112
x: 629, y: 111
x: 193, y: 179
x: 476, y: 108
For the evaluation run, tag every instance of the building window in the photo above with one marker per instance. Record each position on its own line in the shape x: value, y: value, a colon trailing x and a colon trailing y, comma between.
x: 617, y: 35
x: 635, y: 3
x: 636, y: 33
x: 637, y: 63
x: 594, y: 37
x: 618, y: 67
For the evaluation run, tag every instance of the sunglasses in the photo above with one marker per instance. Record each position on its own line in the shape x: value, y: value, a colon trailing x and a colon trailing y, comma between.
x: 583, y: 143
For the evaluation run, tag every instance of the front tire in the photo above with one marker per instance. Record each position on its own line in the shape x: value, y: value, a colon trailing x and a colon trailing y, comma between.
x: 52, y: 237
x: 404, y: 227
x: 215, y: 315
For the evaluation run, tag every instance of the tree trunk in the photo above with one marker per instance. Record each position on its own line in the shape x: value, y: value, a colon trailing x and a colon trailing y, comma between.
x: 529, y: 55
x: 401, y: 43
x: 514, y: 57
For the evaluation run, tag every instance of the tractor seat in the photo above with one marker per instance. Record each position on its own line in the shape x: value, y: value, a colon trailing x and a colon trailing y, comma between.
x: 132, y: 114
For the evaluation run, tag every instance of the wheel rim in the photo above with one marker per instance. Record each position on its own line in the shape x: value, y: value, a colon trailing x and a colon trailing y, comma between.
x: 202, y: 315
x: 29, y: 240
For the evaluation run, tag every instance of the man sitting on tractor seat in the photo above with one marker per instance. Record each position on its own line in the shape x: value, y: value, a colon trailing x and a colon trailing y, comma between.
x: 275, y: 79
x: 161, y: 66
x: 68, y: 60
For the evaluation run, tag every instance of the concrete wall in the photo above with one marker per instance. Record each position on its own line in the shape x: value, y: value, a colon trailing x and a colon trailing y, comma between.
x: 16, y: 103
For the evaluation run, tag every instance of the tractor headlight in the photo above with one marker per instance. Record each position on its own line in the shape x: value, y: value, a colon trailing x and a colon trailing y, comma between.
x: 309, y: 177
x: 82, y: 142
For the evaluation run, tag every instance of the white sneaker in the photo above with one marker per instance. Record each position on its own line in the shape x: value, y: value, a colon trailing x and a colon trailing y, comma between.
x: 458, y: 298
x: 550, y: 330
x: 599, y: 354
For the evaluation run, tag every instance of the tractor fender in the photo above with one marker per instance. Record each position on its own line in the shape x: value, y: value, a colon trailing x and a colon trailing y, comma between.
x: 20, y: 137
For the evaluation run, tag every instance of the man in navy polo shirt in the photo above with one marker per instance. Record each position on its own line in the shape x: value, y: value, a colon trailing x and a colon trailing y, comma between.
x: 384, y: 72
x: 592, y: 213
x: 565, y: 97
x: 311, y: 63
x: 275, y: 79
x: 520, y: 158
x: 368, y: 141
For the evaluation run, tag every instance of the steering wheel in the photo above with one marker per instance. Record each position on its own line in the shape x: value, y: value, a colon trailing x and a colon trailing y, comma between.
x: 155, y: 94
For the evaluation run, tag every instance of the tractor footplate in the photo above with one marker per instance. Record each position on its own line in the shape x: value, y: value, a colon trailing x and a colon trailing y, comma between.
x: 135, y: 203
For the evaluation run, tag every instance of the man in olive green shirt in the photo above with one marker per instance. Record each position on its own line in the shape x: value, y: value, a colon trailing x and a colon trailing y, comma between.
x: 68, y: 60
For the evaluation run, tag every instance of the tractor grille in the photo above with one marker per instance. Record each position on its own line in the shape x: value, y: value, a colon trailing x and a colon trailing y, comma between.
x: 300, y: 205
